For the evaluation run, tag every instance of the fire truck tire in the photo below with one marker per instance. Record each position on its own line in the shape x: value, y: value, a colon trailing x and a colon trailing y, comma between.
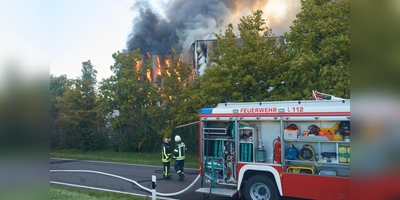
x: 260, y: 187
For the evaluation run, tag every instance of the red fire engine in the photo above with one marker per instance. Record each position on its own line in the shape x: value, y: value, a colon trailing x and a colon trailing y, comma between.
x: 264, y: 150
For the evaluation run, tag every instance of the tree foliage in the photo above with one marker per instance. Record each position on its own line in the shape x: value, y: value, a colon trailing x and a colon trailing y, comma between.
x: 175, y: 79
x: 319, y: 50
x: 124, y: 94
x: 77, y: 111
x: 145, y: 109
x: 58, y: 86
x: 245, y: 67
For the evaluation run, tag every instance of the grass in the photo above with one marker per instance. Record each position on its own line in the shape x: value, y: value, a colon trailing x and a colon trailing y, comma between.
x: 69, y: 193
x: 36, y: 190
x: 123, y: 157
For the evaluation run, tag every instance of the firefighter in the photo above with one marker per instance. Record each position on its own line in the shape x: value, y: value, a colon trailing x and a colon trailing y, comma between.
x: 166, y: 158
x: 179, y: 155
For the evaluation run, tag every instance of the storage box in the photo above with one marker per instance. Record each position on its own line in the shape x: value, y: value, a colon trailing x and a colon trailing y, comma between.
x: 342, y: 159
x: 302, y: 169
x: 290, y: 135
x: 348, y: 151
x: 344, y: 154
x: 342, y: 149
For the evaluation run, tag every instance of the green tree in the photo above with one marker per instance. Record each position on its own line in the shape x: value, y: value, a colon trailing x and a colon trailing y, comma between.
x: 187, y: 110
x: 319, y: 50
x: 245, y: 68
x: 176, y: 77
x: 78, y: 115
x: 58, y: 86
x: 128, y: 92
x: 190, y: 102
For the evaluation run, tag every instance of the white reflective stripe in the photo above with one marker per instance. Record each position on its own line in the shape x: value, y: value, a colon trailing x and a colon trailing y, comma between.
x: 181, y: 149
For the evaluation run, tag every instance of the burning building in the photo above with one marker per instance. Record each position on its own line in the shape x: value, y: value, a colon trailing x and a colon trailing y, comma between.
x: 162, y: 65
x: 188, y: 26
x: 198, y: 58
x: 201, y: 52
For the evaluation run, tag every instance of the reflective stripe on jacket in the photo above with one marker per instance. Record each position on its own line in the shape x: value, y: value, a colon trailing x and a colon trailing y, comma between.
x: 165, y: 152
x: 179, y: 151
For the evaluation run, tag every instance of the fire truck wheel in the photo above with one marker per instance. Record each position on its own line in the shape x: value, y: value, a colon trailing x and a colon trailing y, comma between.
x: 260, y: 187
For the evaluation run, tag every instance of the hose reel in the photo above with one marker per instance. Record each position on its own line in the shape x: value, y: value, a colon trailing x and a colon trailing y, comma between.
x: 307, y: 153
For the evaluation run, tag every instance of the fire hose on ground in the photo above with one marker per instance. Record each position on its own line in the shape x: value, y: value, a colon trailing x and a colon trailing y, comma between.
x: 132, y: 181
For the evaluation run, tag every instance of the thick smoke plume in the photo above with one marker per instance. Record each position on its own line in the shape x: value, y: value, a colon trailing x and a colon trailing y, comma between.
x: 162, y: 25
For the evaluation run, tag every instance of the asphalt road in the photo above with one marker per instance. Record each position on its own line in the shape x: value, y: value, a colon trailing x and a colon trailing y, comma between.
x: 139, y: 173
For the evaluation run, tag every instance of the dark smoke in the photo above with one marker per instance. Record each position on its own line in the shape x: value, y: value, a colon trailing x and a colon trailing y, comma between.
x: 182, y: 22
x: 153, y: 33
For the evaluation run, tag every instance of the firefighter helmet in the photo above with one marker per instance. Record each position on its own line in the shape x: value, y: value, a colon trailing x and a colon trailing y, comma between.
x: 177, y: 138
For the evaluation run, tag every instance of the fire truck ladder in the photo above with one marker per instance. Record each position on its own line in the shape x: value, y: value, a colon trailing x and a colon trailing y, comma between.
x: 321, y: 96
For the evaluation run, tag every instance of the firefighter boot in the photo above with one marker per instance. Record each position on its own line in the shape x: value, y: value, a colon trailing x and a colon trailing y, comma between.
x: 181, y: 177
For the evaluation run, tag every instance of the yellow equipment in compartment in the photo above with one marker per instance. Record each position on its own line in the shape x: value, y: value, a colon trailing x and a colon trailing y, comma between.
x: 301, y: 169
x: 344, y: 154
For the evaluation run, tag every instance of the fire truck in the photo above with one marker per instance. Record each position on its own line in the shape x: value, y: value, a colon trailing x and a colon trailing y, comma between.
x: 265, y: 150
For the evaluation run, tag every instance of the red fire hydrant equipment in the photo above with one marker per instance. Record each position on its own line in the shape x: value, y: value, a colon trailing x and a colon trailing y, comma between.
x: 277, y: 150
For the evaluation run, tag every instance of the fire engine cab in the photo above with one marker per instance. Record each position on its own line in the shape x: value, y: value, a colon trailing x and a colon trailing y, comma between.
x: 264, y: 150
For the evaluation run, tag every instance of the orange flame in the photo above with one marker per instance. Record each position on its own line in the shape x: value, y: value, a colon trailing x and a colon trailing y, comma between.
x: 159, y: 66
x: 167, y: 62
x: 178, y: 77
x: 177, y: 74
x: 148, y: 74
x: 159, y: 71
x: 138, y: 65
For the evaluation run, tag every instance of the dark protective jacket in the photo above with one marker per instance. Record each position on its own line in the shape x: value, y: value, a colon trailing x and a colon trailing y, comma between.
x: 179, y: 151
x: 165, y: 152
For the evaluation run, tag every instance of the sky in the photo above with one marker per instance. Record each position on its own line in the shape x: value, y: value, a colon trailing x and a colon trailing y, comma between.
x: 88, y: 30
x: 58, y: 35
x: 23, y: 38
